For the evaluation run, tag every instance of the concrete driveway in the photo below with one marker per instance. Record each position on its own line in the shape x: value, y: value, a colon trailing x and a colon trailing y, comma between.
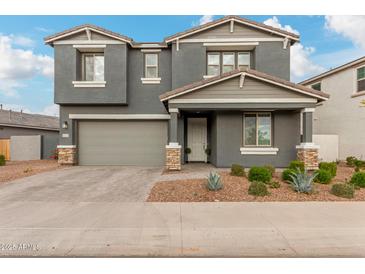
x: 84, y: 184
x: 83, y: 211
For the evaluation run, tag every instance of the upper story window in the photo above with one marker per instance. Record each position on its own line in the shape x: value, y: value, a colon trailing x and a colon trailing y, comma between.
x: 361, y: 79
x: 93, y: 68
x: 151, y: 65
x: 316, y: 86
x: 222, y: 62
x: 257, y: 129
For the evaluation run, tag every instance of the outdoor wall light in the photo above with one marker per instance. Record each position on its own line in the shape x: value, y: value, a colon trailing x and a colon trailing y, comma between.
x: 65, y: 125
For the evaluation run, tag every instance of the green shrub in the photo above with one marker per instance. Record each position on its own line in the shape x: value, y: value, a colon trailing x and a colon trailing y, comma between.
x: 237, y: 170
x: 296, y: 164
x: 343, y: 190
x: 2, y: 160
x: 302, y: 181
x: 214, y: 182
x: 358, y: 179
x: 350, y: 161
x: 323, y: 176
x: 258, y: 189
x: 271, y: 169
x: 274, y: 184
x: 286, y: 174
x: 259, y: 174
x: 359, y: 164
x: 330, y: 166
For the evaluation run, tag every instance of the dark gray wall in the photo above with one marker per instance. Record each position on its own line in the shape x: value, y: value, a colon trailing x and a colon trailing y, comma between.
x: 188, y: 64
x: 68, y: 69
x: 271, y: 58
x: 229, y: 128
x: 49, y: 138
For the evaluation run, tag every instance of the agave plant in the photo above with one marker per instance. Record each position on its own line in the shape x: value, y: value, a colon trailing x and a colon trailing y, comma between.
x: 302, y: 181
x: 214, y: 182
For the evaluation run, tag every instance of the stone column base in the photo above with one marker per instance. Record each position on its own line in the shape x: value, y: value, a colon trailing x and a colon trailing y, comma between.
x: 67, y: 155
x: 173, y: 156
x: 308, y: 154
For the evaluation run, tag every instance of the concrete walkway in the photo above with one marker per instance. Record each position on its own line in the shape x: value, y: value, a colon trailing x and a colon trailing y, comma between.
x: 67, y: 228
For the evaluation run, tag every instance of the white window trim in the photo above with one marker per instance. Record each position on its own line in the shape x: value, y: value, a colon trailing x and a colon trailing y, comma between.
x: 151, y: 66
x: 151, y: 80
x: 89, y: 84
x: 249, y: 58
x: 257, y: 142
x: 356, y: 92
x: 259, y: 150
x: 234, y: 60
x: 219, y: 63
x: 83, y: 76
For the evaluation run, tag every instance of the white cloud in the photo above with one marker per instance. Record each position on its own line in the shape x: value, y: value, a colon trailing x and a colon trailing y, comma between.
x: 22, y: 41
x: 42, y: 29
x: 18, y: 64
x: 274, y: 22
x: 350, y: 26
x: 203, y: 20
x: 301, y: 65
x: 51, y: 110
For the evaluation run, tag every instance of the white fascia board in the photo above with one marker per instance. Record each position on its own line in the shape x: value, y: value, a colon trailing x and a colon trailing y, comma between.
x: 150, y: 50
x: 88, y: 46
x: 246, y: 100
x: 230, y: 40
x: 230, y: 44
x: 89, y: 42
x: 120, y: 116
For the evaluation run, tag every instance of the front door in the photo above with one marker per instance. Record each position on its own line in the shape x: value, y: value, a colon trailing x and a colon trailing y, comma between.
x: 197, y: 139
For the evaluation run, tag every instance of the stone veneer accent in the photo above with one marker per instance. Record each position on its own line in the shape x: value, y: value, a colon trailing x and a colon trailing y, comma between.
x: 173, y: 157
x: 309, y: 156
x: 67, y: 155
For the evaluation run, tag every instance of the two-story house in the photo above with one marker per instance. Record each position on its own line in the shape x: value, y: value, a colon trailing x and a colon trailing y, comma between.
x: 344, y: 113
x: 217, y: 93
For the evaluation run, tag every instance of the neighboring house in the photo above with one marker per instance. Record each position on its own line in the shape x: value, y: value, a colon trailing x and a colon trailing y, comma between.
x: 344, y: 113
x: 14, y: 123
x: 220, y: 91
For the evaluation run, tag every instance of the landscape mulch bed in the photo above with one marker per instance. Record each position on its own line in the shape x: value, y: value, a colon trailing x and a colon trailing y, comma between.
x: 19, y: 169
x: 236, y: 189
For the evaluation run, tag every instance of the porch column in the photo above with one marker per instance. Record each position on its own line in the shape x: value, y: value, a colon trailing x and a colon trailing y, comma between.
x: 307, y: 151
x: 173, y: 149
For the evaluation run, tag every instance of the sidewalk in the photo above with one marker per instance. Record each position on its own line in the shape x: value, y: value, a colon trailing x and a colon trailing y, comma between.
x: 183, y: 229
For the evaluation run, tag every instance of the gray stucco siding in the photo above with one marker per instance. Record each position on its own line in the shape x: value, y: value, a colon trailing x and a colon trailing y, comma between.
x: 273, y: 59
x: 49, y: 137
x: 229, y: 138
x: 68, y: 69
x: 188, y: 64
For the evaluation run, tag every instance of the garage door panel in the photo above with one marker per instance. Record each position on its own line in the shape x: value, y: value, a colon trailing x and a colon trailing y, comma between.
x: 122, y: 142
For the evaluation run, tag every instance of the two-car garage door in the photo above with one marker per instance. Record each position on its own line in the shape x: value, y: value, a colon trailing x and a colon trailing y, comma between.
x: 139, y: 143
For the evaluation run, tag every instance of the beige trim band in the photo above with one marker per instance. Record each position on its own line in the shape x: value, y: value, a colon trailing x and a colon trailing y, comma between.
x: 120, y: 116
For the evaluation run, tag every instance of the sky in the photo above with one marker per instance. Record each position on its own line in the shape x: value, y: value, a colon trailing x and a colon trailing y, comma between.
x: 26, y: 63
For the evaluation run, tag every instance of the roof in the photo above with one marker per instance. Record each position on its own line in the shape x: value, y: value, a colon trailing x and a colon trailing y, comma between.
x: 333, y: 71
x: 246, y: 72
x: 238, y: 19
x: 20, y: 119
x: 50, y: 39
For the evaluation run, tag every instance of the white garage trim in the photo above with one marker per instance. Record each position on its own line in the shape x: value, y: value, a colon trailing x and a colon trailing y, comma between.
x: 120, y: 116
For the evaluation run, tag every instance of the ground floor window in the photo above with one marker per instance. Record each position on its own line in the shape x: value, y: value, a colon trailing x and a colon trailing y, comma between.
x: 257, y: 129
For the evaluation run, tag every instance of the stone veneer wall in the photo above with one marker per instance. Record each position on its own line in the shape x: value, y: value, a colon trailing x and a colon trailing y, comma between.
x: 309, y: 156
x: 67, y: 156
x: 173, y: 160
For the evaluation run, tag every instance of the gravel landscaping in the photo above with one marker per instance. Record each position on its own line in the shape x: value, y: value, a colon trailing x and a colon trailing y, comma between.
x: 19, y: 169
x: 235, y: 189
